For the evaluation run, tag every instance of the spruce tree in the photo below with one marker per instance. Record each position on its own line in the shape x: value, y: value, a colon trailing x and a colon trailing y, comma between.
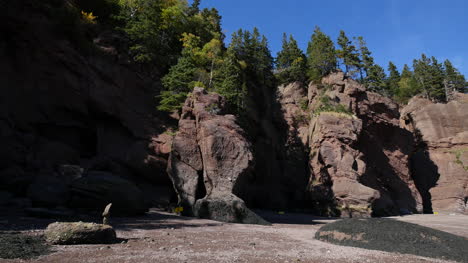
x: 290, y: 62
x: 366, y: 60
x: 407, y: 86
x: 393, y: 78
x: 321, y: 56
x: 376, y: 80
x: 348, y: 54
x: 453, y: 80
x: 228, y: 82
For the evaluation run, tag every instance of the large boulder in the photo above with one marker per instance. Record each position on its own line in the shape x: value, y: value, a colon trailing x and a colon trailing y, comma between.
x: 440, y: 162
x: 96, y: 189
x: 79, y: 233
x: 210, y: 158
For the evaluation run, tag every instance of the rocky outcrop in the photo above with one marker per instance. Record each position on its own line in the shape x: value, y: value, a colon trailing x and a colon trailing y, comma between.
x: 359, y: 155
x: 65, y: 104
x: 440, y: 161
x: 210, y: 159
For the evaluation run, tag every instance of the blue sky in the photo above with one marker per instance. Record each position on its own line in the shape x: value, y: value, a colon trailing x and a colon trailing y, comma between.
x: 395, y: 30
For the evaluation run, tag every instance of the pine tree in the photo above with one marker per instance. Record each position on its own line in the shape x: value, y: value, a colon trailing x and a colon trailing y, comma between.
x: 407, y: 86
x: 366, y: 60
x: 429, y: 75
x: 177, y: 84
x: 348, y: 54
x: 453, y: 80
x: 321, y: 56
x: 376, y: 80
x: 393, y: 78
x: 228, y: 82
x: 290, y: 62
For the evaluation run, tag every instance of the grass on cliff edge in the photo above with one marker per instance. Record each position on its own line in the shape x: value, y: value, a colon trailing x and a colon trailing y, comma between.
x: 395, y: 236
x: 16, y: 245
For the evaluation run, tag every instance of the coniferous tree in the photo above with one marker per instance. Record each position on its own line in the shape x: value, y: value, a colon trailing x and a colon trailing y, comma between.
x: 348, y: 54
x: 321, y: 56
x: 407, y: 86
x: 453, y: 80
x: 366, y: 60
x: 290, y: 62
x: 228, y: 82
x: 393, y: 78
x: 429, y: 75
x: 376, y: 80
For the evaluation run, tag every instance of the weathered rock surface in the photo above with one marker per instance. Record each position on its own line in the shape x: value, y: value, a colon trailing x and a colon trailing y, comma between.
x: 210, y: 158
x: 61, y: 105
x: 79, y: 233
x: 440, y: 163
x: 97, y: 189
x: 359, y: 156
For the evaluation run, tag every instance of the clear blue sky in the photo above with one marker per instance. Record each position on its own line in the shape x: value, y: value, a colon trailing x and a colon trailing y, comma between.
x: 395, y: 30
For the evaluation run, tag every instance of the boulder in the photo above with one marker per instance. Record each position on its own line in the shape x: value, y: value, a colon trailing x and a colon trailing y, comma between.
x: 440, y: 162
x: 96, y: 189
x: 79, y: 233
x: 227, y: 208
x: 209, y: 160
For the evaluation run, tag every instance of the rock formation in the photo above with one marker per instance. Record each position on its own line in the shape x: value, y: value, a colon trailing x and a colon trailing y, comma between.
x: 440, y: 161
x: 60, y: 105
x: 210, y: 161
x: 359, y: 155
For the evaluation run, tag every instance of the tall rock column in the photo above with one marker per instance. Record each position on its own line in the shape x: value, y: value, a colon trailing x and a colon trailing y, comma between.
x: 210, y: 161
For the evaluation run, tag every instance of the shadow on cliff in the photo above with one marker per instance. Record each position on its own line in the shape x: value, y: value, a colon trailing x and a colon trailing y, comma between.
x: 280, y: 175
x: 376, y: 142
x: 425, y: 175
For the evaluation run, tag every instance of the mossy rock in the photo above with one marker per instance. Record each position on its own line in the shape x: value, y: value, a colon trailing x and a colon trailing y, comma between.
x: 79, y: 233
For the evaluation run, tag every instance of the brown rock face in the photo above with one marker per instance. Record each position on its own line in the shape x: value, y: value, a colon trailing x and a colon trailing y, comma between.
x: 440, y: 162
x: 60, y: 105
x: 210, y: 157
x: 358, y: 153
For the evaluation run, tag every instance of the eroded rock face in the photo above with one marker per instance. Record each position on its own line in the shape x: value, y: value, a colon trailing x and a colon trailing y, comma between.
x: 209, y: 157
x: 60, y: 105
x: 359, y: 156
x: 440, y: 163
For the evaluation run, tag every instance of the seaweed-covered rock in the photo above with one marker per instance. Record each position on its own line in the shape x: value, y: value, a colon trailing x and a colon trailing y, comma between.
x: 227, y: 208
x: 79, y: 233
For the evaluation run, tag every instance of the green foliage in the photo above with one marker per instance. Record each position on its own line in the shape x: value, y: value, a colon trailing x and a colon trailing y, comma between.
x: 376, y: 80
x: 458, y: 160
x: 453, y: 79
x: 366, y: 60
x: 155, y: 28
x: 393, y: 78
x: 429, y: 75
x: 228, y: 82
x: 325, y: 105
x: 321, y: 56
x: 177, y: 83
x: 304, y: 104
x: 290, y: 62
x: 348, y: 54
